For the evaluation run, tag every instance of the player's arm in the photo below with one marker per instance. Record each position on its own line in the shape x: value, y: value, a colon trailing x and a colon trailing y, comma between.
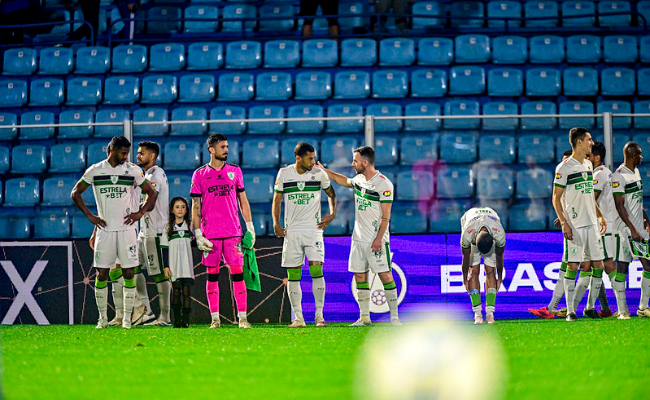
x: 331, y: 200
x: 152, y: 195
x: 76, y: 193
x: 646, y: 223
x: 91, y: 241
x: 619, y: 202
x: 558, y: 191
x: 383, y: 225
x: 467, y: 252
x: 201, y: 242
x: 335, y: 176
x: 499, y: 256
x: 601, y: 220
x: 275, y: 214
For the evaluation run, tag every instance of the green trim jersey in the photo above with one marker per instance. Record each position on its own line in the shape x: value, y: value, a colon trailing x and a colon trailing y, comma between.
x: 603, y: 185
x: 628, y: 183
x: 368, y: 196
x: 115, y: 192
x: 154, y: 222
x: 576, y: 178
x: 181, y: 263
x: 301, y: 195
x: 476, y: 218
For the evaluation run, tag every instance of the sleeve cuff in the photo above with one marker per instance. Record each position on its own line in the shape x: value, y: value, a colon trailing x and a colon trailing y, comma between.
x: 195, y: 194
x: 558, y: 185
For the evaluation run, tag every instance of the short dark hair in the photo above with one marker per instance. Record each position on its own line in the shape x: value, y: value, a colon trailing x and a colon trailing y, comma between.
x: 576, y: 134
x: 484, y: 242
x: 215, y: 138
x: 367, y: 152
x: 598, y: 149
x: 567, y: 153
x: 151, y: 146
x: 302, y: 149
x: 119, y: 142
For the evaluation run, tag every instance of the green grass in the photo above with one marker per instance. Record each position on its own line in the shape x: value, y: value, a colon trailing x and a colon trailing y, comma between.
x: 547, y: 359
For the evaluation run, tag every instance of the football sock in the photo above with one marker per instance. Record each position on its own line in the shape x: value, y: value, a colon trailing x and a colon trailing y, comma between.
x: 390, y: 289
x: 558, y: 292
x: 129, y: 297
x: 619, y: 290
x: 318, y: 287
x: 645, y: 290
x: 569, y: 289
x: 363, y: 298
x: 117, y: 290
x: 295, y: 292
x: 101, y: 293
x: 581, y: 288
x: 239, y: 290
x: 595, y: 286
x: 143, y: 295
x: 164, y: 292
x: 212, y: 291
x: 490, y: 300
x: 475, y: 297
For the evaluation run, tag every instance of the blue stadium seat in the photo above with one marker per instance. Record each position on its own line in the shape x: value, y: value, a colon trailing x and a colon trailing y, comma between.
x: 204, y: 12
x: 8, y: 119
x: 561, y: 145
x: 353, y: 12
x: 614, y: 6
x: 164, y: 19
x: 204, y: 56
x: 422, y: 125
x: 281, y: 54
x: 642, y: 122
x: 67, y: 158
x: 643, y: 82
x: 428, y: 83
x: 396, y: 52
x: 494, y: 183
x: 538, y: 107
x: 150, y: 115
x: 233, y: 153
x: 577, y: 107
x: 120, y: 90
x: 644, y: 49
x: 445, y: 216
x: 504, y: 9
x: 20, y: 61
x: 260, y: 153
x: 505, y: 82
x: 466, y: 9
x: 455, y: 182
x: 182, y: 155
x: 462, y: 107
x: 386, y: 152
x: 189, y: 114
x: 289, y: 145
x: 389, y: 84
x: 236, y: 87
x: 497, y: 148
x: 358, y: 53
x: 543, y: 9
x: 534, y: 183
x: 228, y: 128
x: 509, y: 50
x: 84, y: 92
x: 81, y: 227
x: 580, y: 82
x: 259, y: 187
x: 415, y: 185
x: 645, y: 175
x: 472, y: 49
x: 46, y: 92
x: 467, y: 80
x: 529, y: 216
x: 536, y: 149
x: 22, y: 192
x: 618, y: 82
x: 55, y: 61
x: 276, y: 11
x: 4, y: 162
x: 337, y: 150
x: 386, y: 110
x: 620, y: 49
x: 578, y: 7
x: 159, y: 89
x: 320, y: 53
x: 111, y: 115
x: 28, y: 159
x: 500, y: 108
x: 643, y: 8
x: 407, y: 219
x: 196, y: 88
x: 56, y: 191
x: 546, y: 49
x: 179, y: 185
x: 51, y: 225
x: 37, y: 118
x: 305, y: 127
x: 458, y: 147
x: 581, y: 49
x: 96, y: 153
x: 543, y: 82
x: 239, y: 12
x: 419, y: 150
x: 435, y: 51
x: 243, y: 55
x: 619, y: 142
x: 14, y: 226
x: 13, y: 93
x: 424, y: 11
x: 266, y: 128
x: 274, y: 86
x: 615, y: 107
x: 314, y: 85
x: 351, y: 85
x: 129, y: 58
x: 345, y: 126
x: 166, y: 57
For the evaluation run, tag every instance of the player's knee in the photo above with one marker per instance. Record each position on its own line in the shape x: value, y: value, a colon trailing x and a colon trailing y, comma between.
x: 237, y: 277
x: 237, y: 269
x: 316, y: 271
x: 294, y: 274
x: 128, y: 273
x: 137, y: 269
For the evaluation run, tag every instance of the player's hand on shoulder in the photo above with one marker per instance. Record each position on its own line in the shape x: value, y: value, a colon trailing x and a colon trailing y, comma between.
x: 325, y: 221
x: 279, y: 230
x: 95, y: 220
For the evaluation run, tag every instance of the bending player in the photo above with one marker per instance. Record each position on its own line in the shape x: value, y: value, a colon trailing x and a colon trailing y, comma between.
x: 300, y: 186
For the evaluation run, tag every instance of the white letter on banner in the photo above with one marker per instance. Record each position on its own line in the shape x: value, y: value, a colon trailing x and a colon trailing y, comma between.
x: 552, y: 272
x: 451, y: 274
x: 518, y: 279
x: 24, y: 295
x: 634, y: 275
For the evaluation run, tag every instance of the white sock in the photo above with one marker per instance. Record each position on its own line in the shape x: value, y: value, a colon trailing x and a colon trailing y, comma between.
x: 594, y: 291
x: 558, y: 292
x: 318, y: 288
x: 242, y: 315
x: 569, y: 291
x: 645, y: 293
x: 143, y: 295
x: 164, y: 293
x: 215, y: 316
x: 129, y: 300
x: 295, y: 298
x: 581, y: 289
x: 101, y: 297
x: 391, y: 297
x: 117, y: 288
x: 363, y: 297
x: 619, y: 291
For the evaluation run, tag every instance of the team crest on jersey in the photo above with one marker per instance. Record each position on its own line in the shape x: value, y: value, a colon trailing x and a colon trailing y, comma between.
x: 114, y: 179
x: 301, y: 186
x: 558, y: 176
x: 150, y: 259
x: 584, y: 175
x: 231, y: 175
x: 387, y: 193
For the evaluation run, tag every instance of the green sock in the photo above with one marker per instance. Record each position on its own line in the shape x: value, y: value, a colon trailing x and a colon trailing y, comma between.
x: 646, y: 274
x: 475, y: 297
x: 100, y: 284
x: 612, y: 275
x: 363, y: 285
x: 129, y: 283
x: 597, y: 272
x: 563, y: 267
x: 570, y: 274
x: 390, y: 285
x: 585, y: 274
x: 620, y: 277
x: 491, y: 298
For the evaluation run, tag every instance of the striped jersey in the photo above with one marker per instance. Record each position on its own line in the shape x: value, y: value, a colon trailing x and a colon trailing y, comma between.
x: 368, y: 196
x: 577, y: 180
x: 302, y: 195
x: 476, y: 218
x: 628, y: 183
x: 181, y: 263
x: 155, y: 221
x: 603, y: 185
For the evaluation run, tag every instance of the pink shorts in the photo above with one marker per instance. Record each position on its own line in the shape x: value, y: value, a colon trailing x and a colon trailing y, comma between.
x: 228, y: 249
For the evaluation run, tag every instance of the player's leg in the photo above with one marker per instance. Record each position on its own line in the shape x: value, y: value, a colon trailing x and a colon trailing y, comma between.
x: 490, y: 293
x: 643, y: 310
x: 176, y: 304
x: 187, y: 305
x: 623, y: 259
x: 142, y: 313
x: 610, y: 270
x: 381, y: 264
x: 293, y: 257
x: 155, y: 269
x: 127, y: 251
x: 584, y: 278
x: 130, y: 294
x: 117, y: 289
x: 475, y: 290
x: 315, y: 251
x: 101, y: 294
x: 211, y: 260
x: 105, y: 257
x: 595, y: 252
x: 234, y: 258
x: 358, y: 265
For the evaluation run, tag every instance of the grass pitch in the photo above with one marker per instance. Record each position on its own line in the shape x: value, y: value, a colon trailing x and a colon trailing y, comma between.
x: 547, y: 359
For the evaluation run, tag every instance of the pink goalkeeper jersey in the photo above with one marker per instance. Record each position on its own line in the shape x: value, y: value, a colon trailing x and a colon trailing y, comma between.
x: 218, y: 192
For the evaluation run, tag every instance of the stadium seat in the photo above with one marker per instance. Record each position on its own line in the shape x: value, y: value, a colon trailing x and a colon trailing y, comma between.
x: 644, y: 49
x: 494, y: 183
x: 204, y: 12
x: 4, y: 163
x: 189, y: 114
x: 314, y: 85
x: 163, y: 19
x: 37, y: 118
x: 500, y: 108
x: 351, y: 15
x: 538, y: 107
x: 509, y: 50
x: 22, y: 192
x: 582, y: 49
x: 620, y: 49
x: 121, y: 90
x: 505, y: 82
x: 55, y: 61
x: 415, y: 185
x: 643, y: 8
x: 536, y: 149
x: 179, y: 185
x: 305, y: 127
x: 28, y: 159
x: 547, y: 49
x: 270, y: 13
x: 111, y: 115
x: 337, y: 150
x: 445, y: 215
x: 260, y: 153
x: 435, y: 51
x: 619, y: 142
x: 204, y: 56
x: 386, y: 110
x: 84, y: 92
x: 497, y: 148
x: 233, y: 153
x: 386, y: 151
x: 424, y: 10
x: 618, y: 82
x: 159, y: 89
x: 455, y: 182
x: 46, y: 92
x: 580, y: 82
x: 243, y: 55
x: 466, y: 9
x: 577, y: 107
x: 358, y: 53
x: 462, y: 107
x: 428, y: 83
x: 274, y: 86
x: 266, y: 128
x: 467, y: 80
x: 81, y: 227
x: 543, y: 82
x: 182, y: 155
x: 20, y: 61
x: 419, y: 150
x: 643, y: 82
x: 166, y: 57
x: 614, y: 6
x: 472, y: 49
x: 232, y: 13
x: 14, y: 226
x: 389, y: 84
x: 407, y: 219
x: 320, y: 53
x: 96, y: 153
x: 396, y: 52
x: 129, y: 59
x: 504, y: 9
x: 615, y: 107
x: 67, y: 158
x: 288, y: 146
x: 345, y: 126
x: 543, y: 9
x: 573, y: 8
x: 13, y: 93
x: 351, y: 85
x: 458, y: 147
x: 642, y: 122
x: 529, y: 216
x: 56, y: 191
x: 236, y: 87
x: 8, y: 119
x: 645, y: 175
x: 259, y: 187
x: 150, y: 115
x: 422, y: 125
x: 534, y: 183
x: 281, y: 54
x: 196, y: 88
x: 51, y: 225
x: 228, y: 128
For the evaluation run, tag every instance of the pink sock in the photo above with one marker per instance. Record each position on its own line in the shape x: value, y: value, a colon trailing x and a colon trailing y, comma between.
x: 212, y: 290
x: 239, y: 289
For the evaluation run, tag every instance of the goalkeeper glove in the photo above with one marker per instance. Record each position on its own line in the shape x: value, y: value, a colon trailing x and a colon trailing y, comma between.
x: 250, y: 227
x: 202, y: 243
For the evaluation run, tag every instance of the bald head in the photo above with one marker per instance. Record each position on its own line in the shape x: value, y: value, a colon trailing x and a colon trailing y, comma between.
x: 632, y: 153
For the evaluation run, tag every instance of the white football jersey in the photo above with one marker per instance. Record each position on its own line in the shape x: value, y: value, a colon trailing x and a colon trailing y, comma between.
x: 577, y: 180
x: 476, y: 218
x: 368, y: 196
x: 181, y: 263
x: 628, y: 183
x: 301, y: 195
x: 154, y: 221
x: 603, y: 185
